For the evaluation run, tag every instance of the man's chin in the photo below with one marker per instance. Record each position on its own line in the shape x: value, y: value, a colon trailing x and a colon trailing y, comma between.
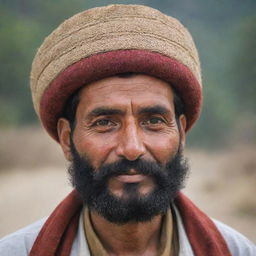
x: 130, y: 207
x: 131, y: 191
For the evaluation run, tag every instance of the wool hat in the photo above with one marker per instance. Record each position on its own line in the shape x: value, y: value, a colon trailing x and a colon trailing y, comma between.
x: 105, y: 41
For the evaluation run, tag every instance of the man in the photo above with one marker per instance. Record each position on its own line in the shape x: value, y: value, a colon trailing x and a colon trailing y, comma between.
x: 118, y: 87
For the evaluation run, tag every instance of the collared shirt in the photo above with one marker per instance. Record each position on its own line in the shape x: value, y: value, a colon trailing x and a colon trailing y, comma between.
x: 167, y: 243
x: 87, y: 238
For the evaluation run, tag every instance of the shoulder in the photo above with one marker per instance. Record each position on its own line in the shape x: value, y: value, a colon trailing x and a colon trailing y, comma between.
x: 238, y: 244
x: 20, y: 242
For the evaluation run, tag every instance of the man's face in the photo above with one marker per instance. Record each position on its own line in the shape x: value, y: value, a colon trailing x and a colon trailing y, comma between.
x: 128, y: 123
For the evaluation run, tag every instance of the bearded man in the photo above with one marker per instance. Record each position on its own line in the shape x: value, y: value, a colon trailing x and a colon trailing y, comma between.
x: 119, y: 87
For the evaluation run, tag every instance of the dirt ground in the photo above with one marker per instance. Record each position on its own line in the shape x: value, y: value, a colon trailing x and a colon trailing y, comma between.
x: 33, y: 180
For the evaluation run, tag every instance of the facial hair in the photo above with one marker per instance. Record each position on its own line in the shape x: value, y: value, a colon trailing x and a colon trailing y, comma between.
x: 92, y: 186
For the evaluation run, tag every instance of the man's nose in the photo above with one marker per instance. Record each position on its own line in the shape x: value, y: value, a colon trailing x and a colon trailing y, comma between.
x: 130, y: 144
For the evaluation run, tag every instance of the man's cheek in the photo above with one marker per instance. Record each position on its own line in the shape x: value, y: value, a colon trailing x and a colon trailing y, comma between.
x: 164, y: 149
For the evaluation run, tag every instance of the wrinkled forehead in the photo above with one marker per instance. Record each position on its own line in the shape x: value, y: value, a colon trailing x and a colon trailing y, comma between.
x: 137, y: 88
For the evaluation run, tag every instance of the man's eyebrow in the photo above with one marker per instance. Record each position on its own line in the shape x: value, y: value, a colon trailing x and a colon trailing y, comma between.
x: 157, y: 109
x: 103, y: 111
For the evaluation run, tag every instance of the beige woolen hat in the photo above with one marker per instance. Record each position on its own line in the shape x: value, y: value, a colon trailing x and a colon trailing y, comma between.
x: 105, y: 41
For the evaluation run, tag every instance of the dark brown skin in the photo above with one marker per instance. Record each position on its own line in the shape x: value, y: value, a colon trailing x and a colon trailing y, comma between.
x: 127, y: 118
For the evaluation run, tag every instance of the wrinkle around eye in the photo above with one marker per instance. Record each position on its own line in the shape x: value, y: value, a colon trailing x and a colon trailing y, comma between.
x: 104, y: 122
x: 103, y: 125
x: 164, y: 126
x: 160, y: 122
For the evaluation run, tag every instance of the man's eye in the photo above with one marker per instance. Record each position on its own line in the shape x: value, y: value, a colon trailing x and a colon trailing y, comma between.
x: 153, y: 121
x: 103, y: 122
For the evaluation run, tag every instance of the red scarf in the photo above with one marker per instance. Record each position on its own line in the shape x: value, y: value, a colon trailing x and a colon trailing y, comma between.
x: 57, y: 235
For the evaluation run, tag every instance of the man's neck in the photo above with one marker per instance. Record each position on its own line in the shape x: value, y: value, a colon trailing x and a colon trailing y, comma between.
x: 142, y: 238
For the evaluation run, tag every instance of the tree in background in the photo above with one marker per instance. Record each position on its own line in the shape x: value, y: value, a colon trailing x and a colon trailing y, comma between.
x: 244, y: 65
x: 243, y: 73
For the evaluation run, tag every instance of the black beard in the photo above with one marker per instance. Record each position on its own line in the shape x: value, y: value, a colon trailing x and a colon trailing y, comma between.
x: 92, y: 186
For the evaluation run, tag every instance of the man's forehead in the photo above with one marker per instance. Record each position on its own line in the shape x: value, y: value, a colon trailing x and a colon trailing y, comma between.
x: 134, y: 94
x: 138, y: 84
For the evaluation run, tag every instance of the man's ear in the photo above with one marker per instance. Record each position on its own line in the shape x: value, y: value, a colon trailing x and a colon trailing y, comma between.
x: 64, y: 132
x: 182, y: 125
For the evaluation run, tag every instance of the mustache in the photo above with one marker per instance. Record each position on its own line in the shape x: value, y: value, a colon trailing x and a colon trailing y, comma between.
x: 104, y: 173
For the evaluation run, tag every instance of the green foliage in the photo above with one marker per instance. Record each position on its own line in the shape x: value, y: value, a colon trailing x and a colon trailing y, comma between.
x: 20, y: 37
x: 243, y: 66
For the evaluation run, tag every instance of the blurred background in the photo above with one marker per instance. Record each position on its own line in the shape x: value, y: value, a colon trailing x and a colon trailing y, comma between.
x: 221, y: 147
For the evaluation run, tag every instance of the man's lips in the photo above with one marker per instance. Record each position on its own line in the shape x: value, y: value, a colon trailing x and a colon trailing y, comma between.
x: 132, y: 178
